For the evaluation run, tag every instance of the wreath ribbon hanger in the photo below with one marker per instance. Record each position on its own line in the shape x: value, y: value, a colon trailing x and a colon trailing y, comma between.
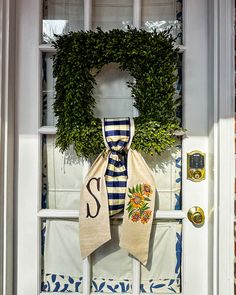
x: 117, y: 135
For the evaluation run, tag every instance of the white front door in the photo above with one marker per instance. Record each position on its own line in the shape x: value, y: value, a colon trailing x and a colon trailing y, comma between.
x: 48, y: 183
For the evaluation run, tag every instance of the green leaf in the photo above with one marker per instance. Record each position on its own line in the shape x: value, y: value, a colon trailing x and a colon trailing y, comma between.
x: 140, y: 188
x: 130, y: 213
x: 129, y: 205
x: 145, y: 206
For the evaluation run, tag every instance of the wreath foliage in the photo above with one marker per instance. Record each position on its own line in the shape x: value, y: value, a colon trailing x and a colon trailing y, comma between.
x: 149, y: 57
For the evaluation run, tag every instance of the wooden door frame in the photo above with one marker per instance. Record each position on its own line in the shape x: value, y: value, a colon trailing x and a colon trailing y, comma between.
x: 7, y: 83
x: 221, y: 75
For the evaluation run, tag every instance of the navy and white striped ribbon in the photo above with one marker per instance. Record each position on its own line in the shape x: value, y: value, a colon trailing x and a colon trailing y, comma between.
x: 117, y: 134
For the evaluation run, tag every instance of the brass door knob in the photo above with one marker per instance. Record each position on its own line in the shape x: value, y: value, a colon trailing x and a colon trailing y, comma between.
x: 196, y: 216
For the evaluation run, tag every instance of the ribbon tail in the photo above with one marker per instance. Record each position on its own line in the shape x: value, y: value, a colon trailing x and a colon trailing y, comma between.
x: 129, y: 242
x: 94, y: 223
x: 139, y: 208
x: 90, y: 241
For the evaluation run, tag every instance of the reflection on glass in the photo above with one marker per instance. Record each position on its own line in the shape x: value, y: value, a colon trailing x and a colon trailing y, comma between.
x: 111, y: 265
x: 167, y: 170
x: 62, y: 265
x: 178, y: 94
x: 48, y: 117
x: 112, y: 95
x: 111, y: 14
x: 163, y: 271
x: 63, y: 175
x: 47, y: 72
x: 61, y: 16
x: 161, y: 15
x: 48, y: 90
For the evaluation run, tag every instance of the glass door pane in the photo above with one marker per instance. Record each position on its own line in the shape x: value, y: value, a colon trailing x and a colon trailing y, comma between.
x: 163, y: 271
x: 61, y: 16
x: 48, y: 90
x: 63, y: 175
x: 112, y: 268
x: 167, y: 169
x: 62, y: 265
x: 111, y: 14
x: 113, y: 96
x: 161, y: 15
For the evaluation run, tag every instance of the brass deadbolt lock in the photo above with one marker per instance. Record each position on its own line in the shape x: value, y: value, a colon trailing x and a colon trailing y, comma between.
x: 196, y: 166
x: 196, y: 216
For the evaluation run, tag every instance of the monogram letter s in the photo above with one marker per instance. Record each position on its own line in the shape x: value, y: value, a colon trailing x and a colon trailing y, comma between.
x: 96, y: 200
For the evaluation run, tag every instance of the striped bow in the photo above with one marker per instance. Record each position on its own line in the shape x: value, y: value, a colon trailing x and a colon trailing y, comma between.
x: 117, y: 134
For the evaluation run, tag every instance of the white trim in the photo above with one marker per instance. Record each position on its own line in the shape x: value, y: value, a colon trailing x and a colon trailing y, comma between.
x: 96, y: 293
x: 88, y: 5
x: 27, y: 86
x: 47, y: 130
x: 49, y: 48
x: 226, y: 157
x: 86, y: 275
x: 1, y: 152
x: 27, y: 268
x: 136, y: 277
x: 7, y: 18
x: 213, y: 148
x: 55, y: 213
x: 195, y: 119
x: 137, y: 7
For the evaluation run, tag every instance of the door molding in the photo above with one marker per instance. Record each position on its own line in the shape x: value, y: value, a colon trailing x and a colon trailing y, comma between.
x: 7, y: 54
x: 221, y: 58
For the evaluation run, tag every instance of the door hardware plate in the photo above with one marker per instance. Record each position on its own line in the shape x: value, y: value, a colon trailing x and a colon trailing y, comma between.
x: 196, y: 170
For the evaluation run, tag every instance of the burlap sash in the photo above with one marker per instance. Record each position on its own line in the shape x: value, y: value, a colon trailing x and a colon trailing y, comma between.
x: 138, y: 201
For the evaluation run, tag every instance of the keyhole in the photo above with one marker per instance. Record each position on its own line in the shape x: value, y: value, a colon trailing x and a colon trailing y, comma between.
x: 197, y: 218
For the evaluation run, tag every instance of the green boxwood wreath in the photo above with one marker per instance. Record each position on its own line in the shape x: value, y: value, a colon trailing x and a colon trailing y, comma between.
x: 150, y: 57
